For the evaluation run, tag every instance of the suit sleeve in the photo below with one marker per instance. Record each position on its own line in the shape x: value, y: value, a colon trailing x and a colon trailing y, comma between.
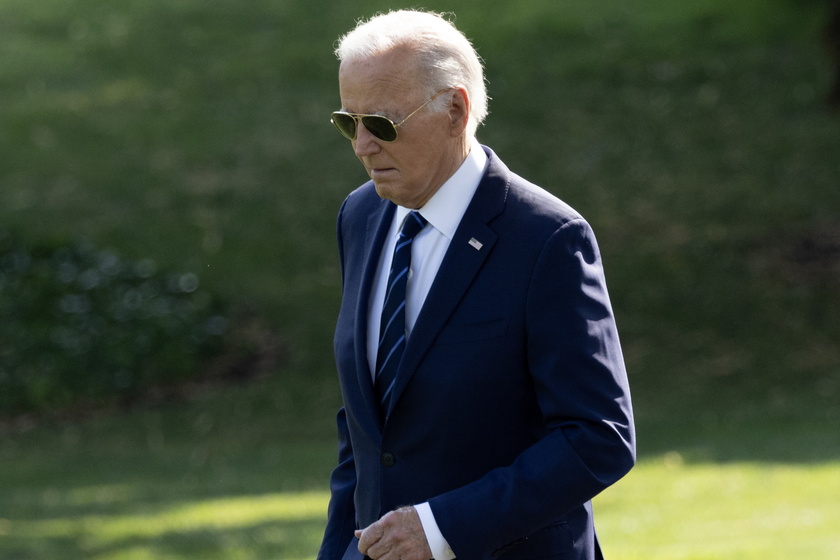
x: 341, y: 514
x: 575, y: 362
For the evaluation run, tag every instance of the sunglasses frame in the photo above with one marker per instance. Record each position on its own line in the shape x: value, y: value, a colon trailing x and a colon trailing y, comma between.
x: 361, y: 117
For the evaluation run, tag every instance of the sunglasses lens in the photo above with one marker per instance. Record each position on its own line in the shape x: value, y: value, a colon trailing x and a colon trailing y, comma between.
x: 345, y: 124
x: 380, y: 127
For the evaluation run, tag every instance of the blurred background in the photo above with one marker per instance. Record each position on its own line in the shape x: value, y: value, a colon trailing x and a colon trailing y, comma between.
x: 169, y: 182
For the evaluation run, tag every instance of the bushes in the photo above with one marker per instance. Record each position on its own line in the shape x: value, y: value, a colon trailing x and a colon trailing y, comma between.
x: 79, y: 323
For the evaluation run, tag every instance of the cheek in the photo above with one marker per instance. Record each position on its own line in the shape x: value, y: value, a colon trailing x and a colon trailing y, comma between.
x: 421, y: 158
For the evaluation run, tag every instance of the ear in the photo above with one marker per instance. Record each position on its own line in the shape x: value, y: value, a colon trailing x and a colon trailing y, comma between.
x: 459, y: 111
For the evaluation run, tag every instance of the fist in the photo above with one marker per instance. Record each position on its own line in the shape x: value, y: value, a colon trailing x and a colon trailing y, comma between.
x: 398, y: 535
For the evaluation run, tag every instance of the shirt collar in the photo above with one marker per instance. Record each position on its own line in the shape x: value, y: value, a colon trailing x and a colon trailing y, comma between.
x: 447, y: 206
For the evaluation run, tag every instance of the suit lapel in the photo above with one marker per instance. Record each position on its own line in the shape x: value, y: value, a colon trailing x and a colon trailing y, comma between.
x: 377, y: 228
x: 471, y: 245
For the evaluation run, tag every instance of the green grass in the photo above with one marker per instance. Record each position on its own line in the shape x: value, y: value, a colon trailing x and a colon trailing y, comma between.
x: 236, y: 473
x: 691, y: 134
x: 241, y: 474
x: 670, y: 510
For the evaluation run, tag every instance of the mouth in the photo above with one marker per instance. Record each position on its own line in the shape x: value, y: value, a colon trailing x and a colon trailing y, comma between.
x: 376, y: 172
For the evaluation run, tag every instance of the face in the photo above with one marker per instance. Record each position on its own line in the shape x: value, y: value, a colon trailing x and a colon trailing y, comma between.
x: 430, y: 146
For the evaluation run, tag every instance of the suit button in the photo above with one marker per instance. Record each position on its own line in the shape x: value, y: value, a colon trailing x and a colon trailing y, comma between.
x: 388, y: 459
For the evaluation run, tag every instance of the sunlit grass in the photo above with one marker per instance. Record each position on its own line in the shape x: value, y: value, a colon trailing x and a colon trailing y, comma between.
x: 670, y: 510
x: 221, y: 515
x: 666, y: 509
x: 264, y: 526
x: 104, y: 496
x: 239, y: 472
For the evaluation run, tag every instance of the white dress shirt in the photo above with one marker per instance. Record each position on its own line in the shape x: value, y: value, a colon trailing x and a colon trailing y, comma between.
x: 443, y: 212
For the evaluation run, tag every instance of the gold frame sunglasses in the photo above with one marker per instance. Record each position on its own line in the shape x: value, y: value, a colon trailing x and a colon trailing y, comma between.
x: 379, y: 126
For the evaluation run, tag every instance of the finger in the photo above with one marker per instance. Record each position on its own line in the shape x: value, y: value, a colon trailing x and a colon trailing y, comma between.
x: 368, y: 537
x: 404, y: 535
x: 380, y: 551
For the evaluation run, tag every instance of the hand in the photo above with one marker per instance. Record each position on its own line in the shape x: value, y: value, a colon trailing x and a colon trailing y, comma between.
x: 397, y: 536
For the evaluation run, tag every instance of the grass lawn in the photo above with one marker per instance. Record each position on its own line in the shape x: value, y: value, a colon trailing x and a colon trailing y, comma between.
x: 235, y: 473
x: 241, y: 473
x: 691, y: 135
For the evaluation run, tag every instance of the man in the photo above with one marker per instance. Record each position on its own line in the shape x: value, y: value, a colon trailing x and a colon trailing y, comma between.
x: 483, y: 423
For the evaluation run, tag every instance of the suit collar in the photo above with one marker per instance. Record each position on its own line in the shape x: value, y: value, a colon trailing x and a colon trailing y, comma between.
x: 378, y: 224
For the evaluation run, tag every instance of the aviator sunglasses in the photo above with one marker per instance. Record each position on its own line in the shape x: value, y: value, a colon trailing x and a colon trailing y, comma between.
x: 381, y: 127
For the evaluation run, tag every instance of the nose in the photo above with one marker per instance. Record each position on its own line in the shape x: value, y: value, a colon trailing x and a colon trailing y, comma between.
x: 365, y: 143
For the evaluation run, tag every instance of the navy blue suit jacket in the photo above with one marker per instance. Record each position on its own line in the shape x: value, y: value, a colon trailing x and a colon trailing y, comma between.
x: 511, y: 408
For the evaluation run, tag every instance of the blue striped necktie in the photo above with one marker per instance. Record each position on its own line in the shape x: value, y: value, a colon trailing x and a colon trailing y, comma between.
x: 392, y: 327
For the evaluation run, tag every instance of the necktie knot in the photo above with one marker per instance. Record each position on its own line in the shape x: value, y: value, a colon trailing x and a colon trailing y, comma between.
x: 414, y: 223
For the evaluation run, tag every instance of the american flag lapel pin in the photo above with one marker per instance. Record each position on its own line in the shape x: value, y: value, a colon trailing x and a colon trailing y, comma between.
x: 476, y: 244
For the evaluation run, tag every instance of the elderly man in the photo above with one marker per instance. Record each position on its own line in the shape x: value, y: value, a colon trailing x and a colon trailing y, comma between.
x: 484, y: 390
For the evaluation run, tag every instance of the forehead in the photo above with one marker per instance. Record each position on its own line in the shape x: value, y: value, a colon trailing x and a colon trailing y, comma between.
x: 382, y: 83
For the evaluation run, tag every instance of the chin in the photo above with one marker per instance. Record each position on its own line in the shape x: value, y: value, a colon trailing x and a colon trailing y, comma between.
x: 387, y: 192
x: 381, y: 190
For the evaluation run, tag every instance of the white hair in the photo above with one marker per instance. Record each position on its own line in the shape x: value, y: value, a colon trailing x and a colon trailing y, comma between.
x: 440, y: 50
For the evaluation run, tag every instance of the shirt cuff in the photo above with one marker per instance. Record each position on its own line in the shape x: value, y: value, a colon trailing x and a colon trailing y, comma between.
x: 437, y: 544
